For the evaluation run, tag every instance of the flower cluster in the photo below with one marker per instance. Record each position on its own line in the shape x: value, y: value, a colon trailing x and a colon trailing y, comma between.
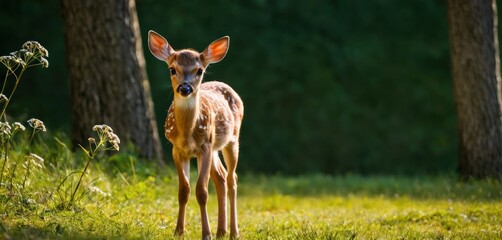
x: 36, y: 160
x: 31, y: 51
x: 18, y: 126
x: 35, y: 48
x: 98, y: 191
x: 106, y: 133
x: 37, y: 124
x: 5, y: 131
x: 3, y: 98
x: 10, y: 62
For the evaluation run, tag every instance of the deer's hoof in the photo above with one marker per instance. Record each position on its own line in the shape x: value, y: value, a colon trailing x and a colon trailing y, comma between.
x: 179, y: 232
x: 221, y: 233
x: 234, y: 235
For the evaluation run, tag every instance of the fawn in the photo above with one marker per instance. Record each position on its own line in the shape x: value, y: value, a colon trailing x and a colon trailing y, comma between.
x: 202, y: 120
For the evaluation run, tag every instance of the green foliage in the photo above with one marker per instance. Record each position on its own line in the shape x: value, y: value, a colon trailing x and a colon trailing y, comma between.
x: 46, y: 96
x: 19, y: 164
x: 423, y: 187
x: 30, y: 55
x: 19, y: 161
x: 68, y: 195
x: 328, y: 86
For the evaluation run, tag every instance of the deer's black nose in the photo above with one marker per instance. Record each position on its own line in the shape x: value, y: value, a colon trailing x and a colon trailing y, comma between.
x: 184, y: 89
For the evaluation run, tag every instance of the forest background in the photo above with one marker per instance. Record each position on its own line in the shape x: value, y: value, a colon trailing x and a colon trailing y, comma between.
x: 329, y: 87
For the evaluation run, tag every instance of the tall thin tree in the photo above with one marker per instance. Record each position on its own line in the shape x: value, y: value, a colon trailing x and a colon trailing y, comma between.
x: 106, y: 68
x: 476, y: 77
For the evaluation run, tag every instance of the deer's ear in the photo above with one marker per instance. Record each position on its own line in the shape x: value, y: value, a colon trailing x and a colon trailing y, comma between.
x: 217, y: 50
x: 158, y: 45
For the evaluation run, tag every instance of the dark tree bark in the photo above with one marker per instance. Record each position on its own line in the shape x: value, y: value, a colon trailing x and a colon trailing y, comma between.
x: 106, y: 68
x: 476, y: 76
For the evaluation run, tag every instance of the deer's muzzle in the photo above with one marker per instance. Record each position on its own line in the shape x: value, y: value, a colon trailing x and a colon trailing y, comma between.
x: 184, y: 89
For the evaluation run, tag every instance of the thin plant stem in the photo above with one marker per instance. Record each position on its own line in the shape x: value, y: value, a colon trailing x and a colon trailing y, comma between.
x: 29, y: 160
x: 90, y: 156
x: 12, y: 175
x: 5, y: 80
x: 80, y: 180
x: 27, y: 173
x: 6, y: 148
x: 18, y: 78
x: 63, y: 181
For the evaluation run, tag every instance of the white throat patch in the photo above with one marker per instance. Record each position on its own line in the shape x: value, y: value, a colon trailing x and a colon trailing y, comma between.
x: 185, y: 102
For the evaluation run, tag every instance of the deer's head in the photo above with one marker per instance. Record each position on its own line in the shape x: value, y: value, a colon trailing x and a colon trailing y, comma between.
x: 186, y: 66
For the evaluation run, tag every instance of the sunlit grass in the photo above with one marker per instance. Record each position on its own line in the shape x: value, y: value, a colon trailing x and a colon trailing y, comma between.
x: 143, y: 205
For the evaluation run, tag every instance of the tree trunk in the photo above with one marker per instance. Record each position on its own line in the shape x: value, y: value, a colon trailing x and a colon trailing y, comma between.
x: 476, y: 76
x: 106, y: 67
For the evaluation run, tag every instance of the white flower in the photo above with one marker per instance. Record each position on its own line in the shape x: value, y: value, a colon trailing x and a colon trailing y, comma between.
x: 5, y: 129
x: 18, y: 126
x: 3, y: 98
x: 94, y: 189
x: 103, y: 128
x: 9, y: 62
x: 35, y: 47
x: 36, y: 160
x: 44, y: 62
x: 19, y: 61
x: 114, y: 140
x: 105, y: 132
x: 37, y: 124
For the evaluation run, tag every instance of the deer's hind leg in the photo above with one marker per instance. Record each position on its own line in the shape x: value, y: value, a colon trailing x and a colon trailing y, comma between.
x: 219, y: 175
x: 231, y: 155
x: 204, y: 162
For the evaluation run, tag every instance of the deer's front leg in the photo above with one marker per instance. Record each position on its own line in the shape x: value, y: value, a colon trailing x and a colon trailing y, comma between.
x: 204, y: 162
x: 183, y: 167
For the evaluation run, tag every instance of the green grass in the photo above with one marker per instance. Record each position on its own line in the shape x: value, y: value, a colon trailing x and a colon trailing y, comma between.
x: 143, y: 205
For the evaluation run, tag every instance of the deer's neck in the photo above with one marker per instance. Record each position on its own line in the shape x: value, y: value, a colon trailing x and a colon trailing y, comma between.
x: 187, y: 111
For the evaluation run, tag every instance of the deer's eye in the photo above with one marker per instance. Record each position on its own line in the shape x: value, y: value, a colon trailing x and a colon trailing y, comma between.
x: 199, y: 72
x: 172, y: 71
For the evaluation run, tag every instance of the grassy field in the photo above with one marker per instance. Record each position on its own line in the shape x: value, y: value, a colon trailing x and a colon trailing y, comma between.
x: 123, y: 199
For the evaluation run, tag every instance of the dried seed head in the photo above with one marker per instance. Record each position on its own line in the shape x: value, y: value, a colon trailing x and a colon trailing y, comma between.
x: 28, y: 45
x: 3, y: 98
x: 94, y: 189
x: 102, y: 129
x: 35, y: 47
x: 37, y: 124
x: 5, y: 58
x: 18, y: 126
x: 18, y: 60
x: 105, y: 133
x: 36, y: 160
x: 44, y: 62
x: 114, y: 140
x: 5, y: 130
x: 9, y: 62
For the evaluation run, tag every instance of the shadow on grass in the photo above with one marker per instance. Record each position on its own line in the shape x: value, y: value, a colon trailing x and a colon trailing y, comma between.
x: 420, y: 187
x: 30, y: 232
